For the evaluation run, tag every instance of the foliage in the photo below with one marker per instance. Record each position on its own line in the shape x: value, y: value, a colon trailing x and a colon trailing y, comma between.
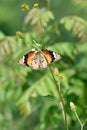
x: 33, y: 93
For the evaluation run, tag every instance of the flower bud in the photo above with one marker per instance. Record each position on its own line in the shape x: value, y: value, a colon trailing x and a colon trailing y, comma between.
x: 36, y: 5
x: 72, y: 106
x: 61, y: 76
x: 25, y: 7
x: 19, y: 34
x: 56, y: 71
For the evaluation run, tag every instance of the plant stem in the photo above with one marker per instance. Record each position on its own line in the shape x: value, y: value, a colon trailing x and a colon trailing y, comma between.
x: 49, y: 4
x: 60, y: 96
x: 56, y: 83
x: 81, y: 124
x: 41, y: 34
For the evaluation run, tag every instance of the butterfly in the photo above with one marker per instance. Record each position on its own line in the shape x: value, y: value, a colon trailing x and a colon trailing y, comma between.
x: 39, y: 59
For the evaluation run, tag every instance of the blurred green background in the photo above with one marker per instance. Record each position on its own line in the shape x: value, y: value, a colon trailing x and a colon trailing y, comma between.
x: 28, y: 98
x: 11, y: 15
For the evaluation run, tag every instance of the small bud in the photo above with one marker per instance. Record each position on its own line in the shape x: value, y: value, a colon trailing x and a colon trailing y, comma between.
x: 19, y: 34
x: 72, y: 106
x: 61, y: 76
x: 36, y: 5
x: 56, y: 71
x: 25, y: 7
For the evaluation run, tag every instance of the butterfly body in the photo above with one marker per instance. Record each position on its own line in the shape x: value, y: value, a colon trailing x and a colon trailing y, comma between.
x: 39, y: 59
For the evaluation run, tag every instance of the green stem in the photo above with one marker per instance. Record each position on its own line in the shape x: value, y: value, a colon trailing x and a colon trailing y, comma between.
x: 81, y: 124
x: 60, y: 96
x: 49, y: 4
x: 41, y: 34
x: 57, y: 84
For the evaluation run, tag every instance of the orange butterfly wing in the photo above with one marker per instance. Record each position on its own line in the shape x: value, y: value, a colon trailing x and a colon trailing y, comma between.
x: 47, y: 55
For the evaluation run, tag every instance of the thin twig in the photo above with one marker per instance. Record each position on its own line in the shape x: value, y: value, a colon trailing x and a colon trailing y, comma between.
x: 81, y: 124
x: 60, y: 96
x: 56, y: 83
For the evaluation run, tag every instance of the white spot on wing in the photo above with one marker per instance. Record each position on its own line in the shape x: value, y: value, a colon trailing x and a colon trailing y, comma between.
x: 23, y: 58
x: 54, y: 55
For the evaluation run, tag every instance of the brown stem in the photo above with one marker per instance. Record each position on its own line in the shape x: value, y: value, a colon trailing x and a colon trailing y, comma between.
x: 60, y: 96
